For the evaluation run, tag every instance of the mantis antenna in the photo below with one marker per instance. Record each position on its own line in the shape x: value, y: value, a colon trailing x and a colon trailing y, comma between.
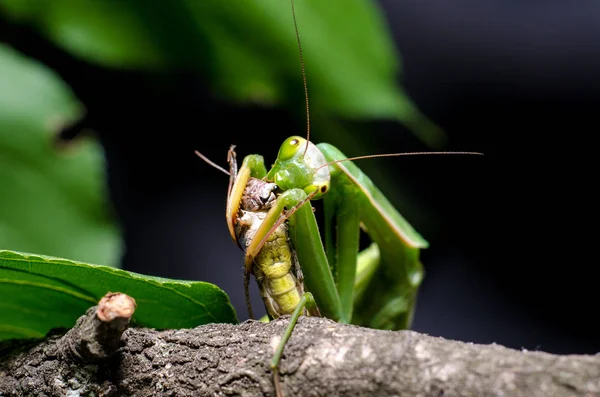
x: 303, y: 78
x: 370, y: 156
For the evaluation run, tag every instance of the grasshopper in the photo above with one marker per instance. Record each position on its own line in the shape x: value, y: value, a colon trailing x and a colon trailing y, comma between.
x: 275, y: 267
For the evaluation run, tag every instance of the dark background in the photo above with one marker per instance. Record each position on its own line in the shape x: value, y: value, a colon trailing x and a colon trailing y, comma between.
x: 513, y: 233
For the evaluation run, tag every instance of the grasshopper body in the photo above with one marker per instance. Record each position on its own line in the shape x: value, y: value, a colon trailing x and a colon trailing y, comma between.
x: 275, y: 267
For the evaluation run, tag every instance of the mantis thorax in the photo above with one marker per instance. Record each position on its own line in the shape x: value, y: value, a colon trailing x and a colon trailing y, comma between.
x: 299, y: 166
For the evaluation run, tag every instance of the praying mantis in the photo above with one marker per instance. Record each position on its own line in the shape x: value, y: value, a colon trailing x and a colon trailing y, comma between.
x: 270, y: 216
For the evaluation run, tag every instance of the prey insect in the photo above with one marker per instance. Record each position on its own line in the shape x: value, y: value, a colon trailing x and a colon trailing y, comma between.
x: 270, y: 216
x: 275, y: 266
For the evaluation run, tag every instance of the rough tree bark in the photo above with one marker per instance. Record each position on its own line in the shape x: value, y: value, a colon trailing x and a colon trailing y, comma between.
x: 322, y: 358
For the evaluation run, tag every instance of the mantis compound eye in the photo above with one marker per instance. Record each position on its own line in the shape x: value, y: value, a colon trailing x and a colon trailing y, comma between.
x: 290, y: 147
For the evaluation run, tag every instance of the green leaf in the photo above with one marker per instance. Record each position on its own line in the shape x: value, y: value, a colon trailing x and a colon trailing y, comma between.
x: 53, y: 202
x: 103, y: 31
x: 40, y: 292
x: 247, y: 47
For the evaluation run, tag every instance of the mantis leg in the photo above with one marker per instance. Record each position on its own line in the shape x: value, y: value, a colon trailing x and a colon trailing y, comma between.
x: 343, y: 253
x: 252, y: 166
x: 306, y: 301
x: 368, y: 262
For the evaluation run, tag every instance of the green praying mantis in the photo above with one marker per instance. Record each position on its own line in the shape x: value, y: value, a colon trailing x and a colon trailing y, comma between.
x: 299, y: 272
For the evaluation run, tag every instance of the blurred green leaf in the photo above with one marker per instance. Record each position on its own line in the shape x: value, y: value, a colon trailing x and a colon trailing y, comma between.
x: 247, y: 47
x: 107, y: 32
x: 52, y: 202
x: 40, y: 293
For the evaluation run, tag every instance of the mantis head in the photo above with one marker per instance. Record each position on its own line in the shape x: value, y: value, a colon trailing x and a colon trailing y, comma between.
x: 299, y: 164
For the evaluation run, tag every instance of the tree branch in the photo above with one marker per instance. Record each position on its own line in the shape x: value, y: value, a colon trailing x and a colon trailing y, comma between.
x: 96, y: 336
x: 322, y: 358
